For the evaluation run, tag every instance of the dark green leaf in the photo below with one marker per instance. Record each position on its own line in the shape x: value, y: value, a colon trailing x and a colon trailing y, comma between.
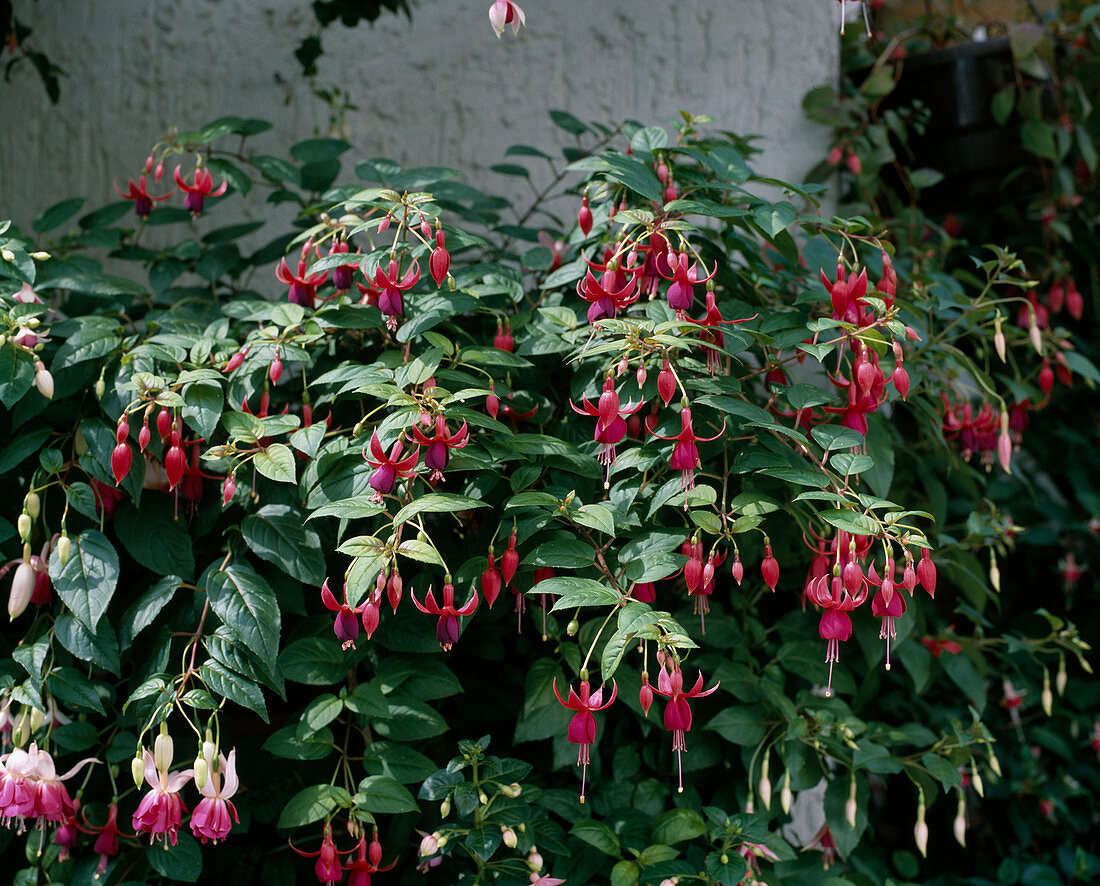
x: 87, y: 581
x: 382, y: 794
x: 156, y: 537
x: 277, y: 533
x: 245, y: 603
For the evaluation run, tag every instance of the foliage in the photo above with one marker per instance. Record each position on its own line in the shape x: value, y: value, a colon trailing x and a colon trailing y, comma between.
x: 545, y: 411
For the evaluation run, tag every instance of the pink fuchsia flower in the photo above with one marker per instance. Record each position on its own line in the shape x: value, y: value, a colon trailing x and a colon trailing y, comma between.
x: 51, y: 799
x: 391, y: 301
x: 161, y: 810
x: 303, y: 285
x: 327, y: 868
x: 888, y: 611
x: 197, y: 192
x: 685, y: 454
x: 503, y: 13
x: 343, y: 275
x: 830, y: 593
x: 677, y: 710
x: 684, y: 276
x: 448, y: 628
x: 215, y: 813
x: 17, y: 785
x: 582, y: 728
x: 65, y: 837
x: 143, y: 200
x: 388, y: 469
x: 366, y: 862
x: 439, y: 445
x: 610, y: 421
x: 711, y: 334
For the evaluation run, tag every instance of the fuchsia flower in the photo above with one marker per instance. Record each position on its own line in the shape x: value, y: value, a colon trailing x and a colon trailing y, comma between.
x: 343, y: 275
x: 106, y: 843
x: 615, y: 291
x: 161, y: 810
x: 681, y: 293
x: 143, y: 200
x: 711, y: 333
x: 389, y: 469
x: 303, y: 285
x: 439, y: 264
x: 366, y: 862
x: 346, y: 626
x: 51, y: 799
x: 17, y: 787
x: 197, y: 193
x: 582, y: 728
x: 503, y: 13
x: 830, y: 593
x: 327, y: 868
x: 677, y: 710
x: 391, y: 301
x: 448, y: 627
x: 439, y: 445
x: 610, y: 424
x: 685, y: 454
x: 215, y: 813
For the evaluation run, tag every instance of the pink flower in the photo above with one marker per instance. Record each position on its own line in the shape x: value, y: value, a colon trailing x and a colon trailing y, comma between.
x: 682, y: 291
x: 106, y: 844
x: 199, y: 191
x: 387, y: 470
x: 327, y: 868
x: 582, y: 728
x: 346, y: 626
x: 440, y: 445
x: 215, y: 814
x: 161, y: 810
x: 391, y: 301
x: 685, y: 454
x: 51, y: 799
x: 17, y: 788
x: 366, y: 862
x: 503, y: 13
x: 143, y: 200
x: 303, y: 286
x: 448, y: 627
x: 835, y: 625
x: 610, y: 424
x: 678, y: 711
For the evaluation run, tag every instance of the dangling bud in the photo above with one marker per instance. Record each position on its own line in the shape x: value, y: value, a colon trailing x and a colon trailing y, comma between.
x: 960, y: 820
x: 976, y: 780
x: 1062, y: 677
x: 738, y: 570
x: 24, y: 526
x: 445, y: 807
x: 785, y: 796
x: 666, y: 382
x: 201, y: 771
x: 508, y: 836
x: 851, y: 807
x: 764, y: 788
x: 163, y: 749
x: 994, y: 572
x: 137, y: 770
x: 769, y: 568
x: 920, y: 830
x: 43, y: 380
x: 1004, y: 444
x: 999, y: 338
x: 229, y: 489
x: 22, y: 587
x: 1047, y: 696
x: 64, y: 546
x: 1035, y: 335
x: 994, y: 763
x: 584, y: 216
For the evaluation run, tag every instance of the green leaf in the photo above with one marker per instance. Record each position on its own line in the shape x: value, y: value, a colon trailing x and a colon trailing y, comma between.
x: 566, y: 121
x: 57, y: 214
x: 436, y: 503
x: 233, y: 686
x: 368, y: 700
x: 850, y: 521
x: 95, y: 337
x: 597, y: 517
x: 483, y: 841
x: 287, y: 743
x: 382, y: 794
x: 245, y: 603
x: 410, y: 720
x: 943, y: 770
x: 677, y: 825
x: 573, y: 592
x: 322, y: 711
x: 144, y: 610
x: 308, y: 805
x: 87, y: 581
x: 774, y: 217
x: 398, y: 761
x: 729, y: 872
x: 277, y: 533
x: 313, y: 661
x: 349, y: 509
x: 183, y: 861
x: 318, y: 150
x: 16, y: 374
x: 740, y: 724
x: 276, y: 463
x: 154, y: 536
x: 25, y: 444
x: 562, y: 552
x: 74, y: 690
x: 596, y: 833
x: 100, y: 648
x: 202, y: 407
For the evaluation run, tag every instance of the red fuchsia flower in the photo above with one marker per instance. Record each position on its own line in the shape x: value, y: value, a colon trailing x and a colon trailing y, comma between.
x: 503, y: 340
x: 610, y: 294
x: 65, y: 837
x: 395, y: 588
x: 174, y: 460
x: 51, y: 799
x: 677, y: 710
x: 106, y: 843
x: 681, y: 293
x: 711, y: 334
x: 769, y: 568
x: 938, y: 647
x: 830, y: 593
x: 610, y: 421
x: 685, y: 454
x: 824, y: 841
x: 121, y: 456
x: 666, y: 382
x: 366, y: 862
x: 491, y: 581
x: 738, y: 569
x: 888, y: 610
x: 303, y: 285
x: 391, y: 301
x: 644, y: 592
x: 439, y: 264
x: 215, y: 813
x: 926, y: 572
x: 846, y: 293
x: 439, y: 445
x: 388, y: 469
x: 346, y: 625
x: 161, y: 810
x: 448, y: 627
x: 1068, y: 567
x: 503, y: 13
x: 327, y: 868
x: 557, y: 248
x: 197, y: 193
x: 584, y: 216
x: 343, y: 275
x: 582, y: 727
x: 143, y: 200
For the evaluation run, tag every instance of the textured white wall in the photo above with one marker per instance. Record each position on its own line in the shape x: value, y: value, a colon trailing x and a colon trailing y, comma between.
x: 443, y: 90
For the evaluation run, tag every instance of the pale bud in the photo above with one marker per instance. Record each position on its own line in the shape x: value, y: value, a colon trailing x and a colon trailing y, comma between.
x: 40, y: 256
x: 509, y: 837
x: 512, y: 790
x: 994, y: 572
x: 209, y: 748
x: 920, y: 830
x: 960, y: 821
x: 976, y: 780
x: 1062, y: 678
x: 100, y: 388
x: 43, y: 380
x: 851, y: 807
x: 999, y: 339
x: 201, y: 772
x: 441, y: 840
x: 994, y: 764
x: 1036, y: 337
x: 764, y: 788
x: 163, y: 749
x: 785, y: 796
x: 534, y: 861
x: 22, y: 586
x: 64, y: 546
x: 1047, y: 696
x: 37, y: 718
x: 32, y: 505
x: 445, y: 807
x: 429, y: 844
x: 7, y: 255
x: 750, y: 805
x: 137, y: 770
x: 24, y: 526
x: 482, y: 798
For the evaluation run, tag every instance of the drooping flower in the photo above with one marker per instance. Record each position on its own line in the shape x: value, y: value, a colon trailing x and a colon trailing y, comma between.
x: 684, y: 276
x: 448, y: 627
x: 711, y: 334
x: 343, y: 275
x: 17, y: 788
x: 582, y: 727
x: 303, y: 285
x: 677, y: 711
x: 143, y: 200
x: 490, y: 581
x: 215, y: 813
x: 503, y: 13
x: 615, y: 291
x: 610, y: 423
x: 685, y: 454
x: 391, y: 301
x: 106, y: 841
x: 197, y: 193
x: 346, y: 625
x: 824, y: 841
x: 388, y: 469
x: 830, y: 593
x: 439, y: 264
x: 439, y: 445
x: 888, y: 610
x: 327, y: 868
x: 161, y: 810
x: 51, y: 798
x: 366, y: 862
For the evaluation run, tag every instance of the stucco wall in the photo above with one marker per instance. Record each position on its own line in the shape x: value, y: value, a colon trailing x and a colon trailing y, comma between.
x: 443, y: 90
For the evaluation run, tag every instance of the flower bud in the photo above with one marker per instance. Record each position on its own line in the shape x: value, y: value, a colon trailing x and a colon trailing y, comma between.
x: 32, y: 505
x: 1047, y: 696
x: 785, y: 796
x: 994, y: 764
x: 509, y: 837
x: 994, y: 572
x: 163, y: 749
x: 64, y: 546
x: 24, y: 526
x: 976, y: 780
x: 482, y: 797
x: 137, y: 770
x: 43, y: 380
x: 512, y: 790
x: 7, y: 255
x: 201, y: 772
x: 764, y: 788
x: 40, y: 256
x: 920, y: 835
x: 1062, y: 678
x: 960, y: 821
x: 429, y: 844
x: 37, y: 718
x: 999, y: 339
x: 445, y: 807
x: 100, y: 388
x: 534, y: 860
x: 572, y: 628
x: 22, y: 586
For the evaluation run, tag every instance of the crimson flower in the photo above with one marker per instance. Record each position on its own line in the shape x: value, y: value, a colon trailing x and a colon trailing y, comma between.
x: 610, y: 424
x: 388, y: 469
x: 685, y: 454
x: 835, y: 625
x: 711, y: 333
x: 346, y: 626
x: 448, y: 627
x: 366, y: 862
x: 613, y: 292
x: 143, y: 200
x: 303, y: 285
x: 682, y: 291
x: 327, y: 868
x: 106, y: 841
x: 440, y: 261
x: 343, y: 275
x: 197, y: 193
x: 439, y: 445
x: 677, y: 710
x: 582, y: 728
x: 888, y: 610
x: 391, y: 302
